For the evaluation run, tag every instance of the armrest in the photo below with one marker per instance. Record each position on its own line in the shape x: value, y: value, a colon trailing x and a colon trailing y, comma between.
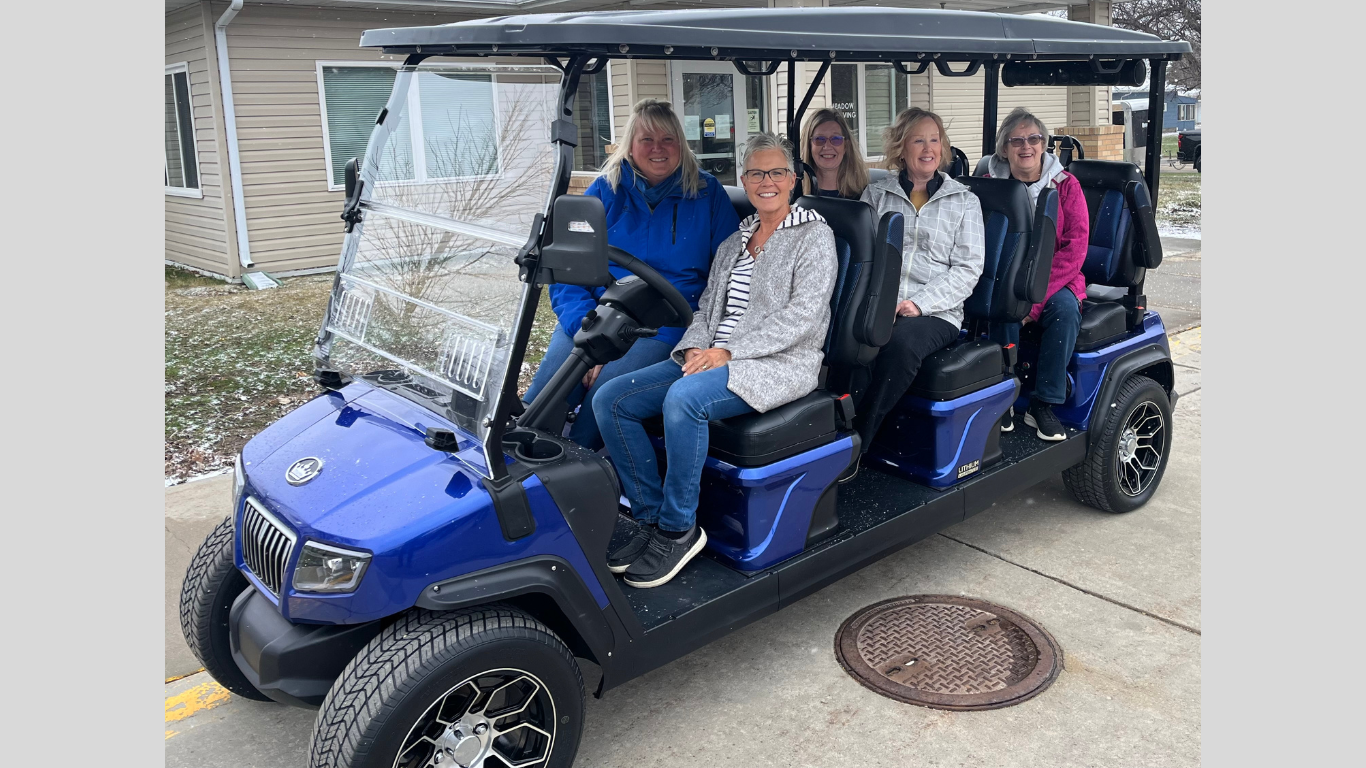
x: 1149, y: 253
x: 1031, y: 281
x: 874, y: 324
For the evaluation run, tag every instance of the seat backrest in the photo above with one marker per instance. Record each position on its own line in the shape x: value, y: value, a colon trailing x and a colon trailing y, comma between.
x: 983, y: 166
x: 1018, y: 249
x: 743, y: 207
x: 1124, y: 241
x: 863, y: 304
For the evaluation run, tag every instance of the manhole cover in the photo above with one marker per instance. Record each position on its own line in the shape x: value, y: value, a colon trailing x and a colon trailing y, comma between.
x: 947, y: 652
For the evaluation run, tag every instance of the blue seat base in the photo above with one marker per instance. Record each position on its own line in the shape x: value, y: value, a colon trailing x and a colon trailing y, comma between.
x: 942, y: 443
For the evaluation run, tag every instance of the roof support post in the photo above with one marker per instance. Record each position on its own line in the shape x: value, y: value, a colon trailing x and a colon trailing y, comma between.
x: 1157, y: 92
x: 792, y: 101
x: 239, y: 206
x: 990, y: 100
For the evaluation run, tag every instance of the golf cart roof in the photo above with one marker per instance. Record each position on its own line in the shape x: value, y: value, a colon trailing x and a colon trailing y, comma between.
x: 847, y: 34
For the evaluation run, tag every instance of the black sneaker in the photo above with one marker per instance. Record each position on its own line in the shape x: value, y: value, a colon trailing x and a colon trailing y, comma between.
x: 1040, y: 416
x: 664, y: 558
x: 636, y: 540
x: 1008, y: 421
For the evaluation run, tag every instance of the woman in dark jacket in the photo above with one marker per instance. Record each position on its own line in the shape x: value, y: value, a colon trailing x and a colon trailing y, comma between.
x: 665, y: 211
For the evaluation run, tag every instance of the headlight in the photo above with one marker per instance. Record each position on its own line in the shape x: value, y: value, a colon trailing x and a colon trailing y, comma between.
x: 324, y: 568
x: 239, y: 482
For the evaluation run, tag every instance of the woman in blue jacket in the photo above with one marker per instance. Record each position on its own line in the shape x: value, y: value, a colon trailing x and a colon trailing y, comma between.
x: 662, y: 209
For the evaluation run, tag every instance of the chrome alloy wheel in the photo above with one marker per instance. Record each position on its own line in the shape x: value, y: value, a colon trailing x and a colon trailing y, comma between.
x: 1140, y: 449
x: 503, y: 718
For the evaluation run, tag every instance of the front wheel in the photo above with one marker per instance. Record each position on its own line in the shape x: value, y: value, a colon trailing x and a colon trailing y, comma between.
x: 1124, y: 465
x: 212, y: 583
x: 489, y: 687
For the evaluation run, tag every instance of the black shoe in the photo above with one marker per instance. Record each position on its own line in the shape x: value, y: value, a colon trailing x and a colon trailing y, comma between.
x: 1040, y: 416
x: 1008, y: 421
x: 636, y: 540
x: 664, y: 558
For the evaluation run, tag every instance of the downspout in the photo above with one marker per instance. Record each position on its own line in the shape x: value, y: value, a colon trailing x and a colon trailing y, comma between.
x: 239, y: 206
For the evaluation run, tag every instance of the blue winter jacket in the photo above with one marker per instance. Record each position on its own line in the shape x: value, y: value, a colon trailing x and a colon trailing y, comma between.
x: 678, y: 239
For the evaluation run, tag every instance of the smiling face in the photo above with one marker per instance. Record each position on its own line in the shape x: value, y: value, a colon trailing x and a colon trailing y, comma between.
x: 826, y: 155
x: 922, y: 149
x: 1025, y: 161
x: 769, y: 196
x: 655, y: 154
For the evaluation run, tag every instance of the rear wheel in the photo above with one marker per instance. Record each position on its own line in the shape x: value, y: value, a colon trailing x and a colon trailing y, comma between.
x: 212, y: 583
x: 489, y: 687
x: 1124, y: 465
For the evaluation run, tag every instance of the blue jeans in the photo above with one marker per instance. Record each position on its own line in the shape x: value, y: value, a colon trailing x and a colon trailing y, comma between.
x: 688, y: 403
x: 1060, y: 320
x: 643, y: 353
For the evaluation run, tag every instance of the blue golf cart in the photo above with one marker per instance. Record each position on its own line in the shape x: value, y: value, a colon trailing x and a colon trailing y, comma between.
x: 423, y: 557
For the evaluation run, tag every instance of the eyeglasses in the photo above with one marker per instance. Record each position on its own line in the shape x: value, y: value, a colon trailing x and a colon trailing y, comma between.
x: 757, y: 177
x: 835, y: 141
x: 1018, y: 142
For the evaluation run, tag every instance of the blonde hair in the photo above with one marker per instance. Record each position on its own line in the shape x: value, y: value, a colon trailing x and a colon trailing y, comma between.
x: 894, y: 139
x: 658, y: 116
x: 852, y: 173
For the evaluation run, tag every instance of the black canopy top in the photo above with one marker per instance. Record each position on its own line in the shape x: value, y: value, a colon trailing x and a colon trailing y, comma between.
x: 849, y: 34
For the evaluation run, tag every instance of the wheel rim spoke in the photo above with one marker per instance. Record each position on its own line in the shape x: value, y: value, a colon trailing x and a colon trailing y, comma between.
x: 544, y: 751
x: 1140, y: 452
x: 509, y: 712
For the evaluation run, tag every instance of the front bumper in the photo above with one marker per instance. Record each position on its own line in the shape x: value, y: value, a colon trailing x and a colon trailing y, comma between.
x: 291, y: 663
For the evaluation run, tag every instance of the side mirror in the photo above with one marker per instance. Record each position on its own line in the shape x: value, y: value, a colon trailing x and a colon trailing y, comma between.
x: 351, y: 210
x: 577, y: 251
x: 352, y: 177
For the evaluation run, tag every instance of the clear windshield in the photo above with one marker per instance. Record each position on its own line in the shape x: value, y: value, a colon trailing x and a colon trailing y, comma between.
x: 427, y: 284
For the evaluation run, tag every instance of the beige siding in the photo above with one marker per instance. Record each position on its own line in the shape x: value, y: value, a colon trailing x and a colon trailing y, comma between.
x: 958, y: 100
x: 292, y: 218
x: 196, y: 230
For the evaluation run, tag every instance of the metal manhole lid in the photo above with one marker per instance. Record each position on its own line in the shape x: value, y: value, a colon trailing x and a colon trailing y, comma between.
x: 947, y: 652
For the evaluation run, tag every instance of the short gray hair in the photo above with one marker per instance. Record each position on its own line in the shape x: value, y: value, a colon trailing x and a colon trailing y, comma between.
x: 761, y: 141
x: 1013, y: 120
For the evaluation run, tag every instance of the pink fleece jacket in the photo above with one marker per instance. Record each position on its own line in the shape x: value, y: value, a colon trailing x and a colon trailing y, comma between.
x: 1074, y: 235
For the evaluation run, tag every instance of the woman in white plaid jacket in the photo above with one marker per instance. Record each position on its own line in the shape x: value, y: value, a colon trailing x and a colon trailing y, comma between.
x: 941, y: 258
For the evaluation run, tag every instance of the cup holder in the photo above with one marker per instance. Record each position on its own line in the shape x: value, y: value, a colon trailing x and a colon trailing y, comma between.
x: 537, y: 451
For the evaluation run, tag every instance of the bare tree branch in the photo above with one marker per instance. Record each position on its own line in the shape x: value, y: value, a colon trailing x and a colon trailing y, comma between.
x: 1169, y: 20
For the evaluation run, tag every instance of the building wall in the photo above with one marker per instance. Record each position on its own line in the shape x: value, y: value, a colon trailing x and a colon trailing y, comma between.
x: 958, y: 101
x: 197, y: 232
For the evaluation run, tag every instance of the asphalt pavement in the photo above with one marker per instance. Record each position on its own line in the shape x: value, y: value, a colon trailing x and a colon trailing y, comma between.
x: 1120, y: 593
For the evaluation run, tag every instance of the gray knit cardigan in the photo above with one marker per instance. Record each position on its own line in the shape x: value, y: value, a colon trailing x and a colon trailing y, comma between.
x: 776, y: 346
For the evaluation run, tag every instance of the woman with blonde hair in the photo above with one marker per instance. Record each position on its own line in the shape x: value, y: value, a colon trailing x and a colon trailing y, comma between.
x: 829, y: 146
x: 662, y: 209
x: 942, y: 253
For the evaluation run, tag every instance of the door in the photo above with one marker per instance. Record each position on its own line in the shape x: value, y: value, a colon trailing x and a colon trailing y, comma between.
x: 713, y: 95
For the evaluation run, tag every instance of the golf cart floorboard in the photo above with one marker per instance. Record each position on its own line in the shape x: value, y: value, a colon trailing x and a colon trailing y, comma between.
x: 879, y: 513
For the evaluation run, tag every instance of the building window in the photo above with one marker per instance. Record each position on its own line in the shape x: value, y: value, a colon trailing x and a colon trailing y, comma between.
x: 182, y: 161
x: 868, y: 96
x: 593, y: 116
x: 456, y: 129
x: 1185, y: 112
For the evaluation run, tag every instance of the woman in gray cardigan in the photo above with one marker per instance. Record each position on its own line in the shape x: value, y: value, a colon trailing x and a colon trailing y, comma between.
x: 754, y: 344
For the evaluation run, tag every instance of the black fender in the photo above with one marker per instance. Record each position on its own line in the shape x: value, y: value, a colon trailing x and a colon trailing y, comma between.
x: 1150, y: 360
x: 545, y: 575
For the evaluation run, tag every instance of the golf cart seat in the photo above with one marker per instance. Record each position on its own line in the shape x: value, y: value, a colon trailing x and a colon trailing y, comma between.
x: 740, y: 201
x: 862, y: 311
x: 1123, y: 245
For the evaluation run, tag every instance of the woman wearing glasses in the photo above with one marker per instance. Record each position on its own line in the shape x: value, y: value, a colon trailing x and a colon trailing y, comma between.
x: 665, y: 211
x: 1021, y: 154
x: 830, y: 148
x: 753, y: 345
x: 942, y: 253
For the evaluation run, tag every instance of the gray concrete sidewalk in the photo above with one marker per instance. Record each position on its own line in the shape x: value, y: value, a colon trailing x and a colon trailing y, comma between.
x: 1120, y: 593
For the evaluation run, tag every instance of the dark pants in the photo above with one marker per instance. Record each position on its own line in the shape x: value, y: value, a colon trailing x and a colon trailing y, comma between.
x: 913, y: 339
x: 1060, y: 321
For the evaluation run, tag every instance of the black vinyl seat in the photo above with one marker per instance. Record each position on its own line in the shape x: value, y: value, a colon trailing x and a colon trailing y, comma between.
x: 1123, y: 245
x: 862, y: 308
x: 1018, y: 256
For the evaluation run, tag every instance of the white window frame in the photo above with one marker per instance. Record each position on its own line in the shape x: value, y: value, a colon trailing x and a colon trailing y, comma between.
x: 415, y: 126
x: 861, y: 96
x: 1187, y: 108
x: 194, y: 192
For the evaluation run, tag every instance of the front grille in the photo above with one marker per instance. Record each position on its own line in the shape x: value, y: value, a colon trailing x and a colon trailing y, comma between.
x: 266, y: 545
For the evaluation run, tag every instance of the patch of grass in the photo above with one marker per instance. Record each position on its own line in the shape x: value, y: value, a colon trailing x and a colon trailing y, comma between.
x: 1168, y: 144
x: 178, y: 277
x: 1179, y: 201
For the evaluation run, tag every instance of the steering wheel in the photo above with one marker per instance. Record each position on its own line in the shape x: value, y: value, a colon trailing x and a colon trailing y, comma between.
x: 656, y: 281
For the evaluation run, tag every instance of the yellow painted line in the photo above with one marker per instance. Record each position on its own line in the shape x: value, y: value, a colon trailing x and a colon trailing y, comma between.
x: 170, y: 680
x: 200, y: 698
x: 169, y: 734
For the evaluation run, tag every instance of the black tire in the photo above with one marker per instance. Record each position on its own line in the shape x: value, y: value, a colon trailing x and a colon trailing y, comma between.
x: 1100, y: 481
x: 415, y: 670
x: 212, y: 583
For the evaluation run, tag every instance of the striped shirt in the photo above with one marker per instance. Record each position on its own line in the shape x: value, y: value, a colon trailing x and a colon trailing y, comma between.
x: 737, y: 294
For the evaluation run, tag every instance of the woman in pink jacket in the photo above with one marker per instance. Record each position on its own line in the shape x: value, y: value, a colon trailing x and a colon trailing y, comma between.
x: 1021, y: 154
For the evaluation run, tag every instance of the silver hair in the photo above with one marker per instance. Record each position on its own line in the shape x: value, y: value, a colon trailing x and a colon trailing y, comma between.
x: 1013, y: 120
x: 765, y: 140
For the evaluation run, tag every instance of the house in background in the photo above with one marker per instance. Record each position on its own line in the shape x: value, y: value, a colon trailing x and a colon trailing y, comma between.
x: 1182, y: 111
x: 266, y: 100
